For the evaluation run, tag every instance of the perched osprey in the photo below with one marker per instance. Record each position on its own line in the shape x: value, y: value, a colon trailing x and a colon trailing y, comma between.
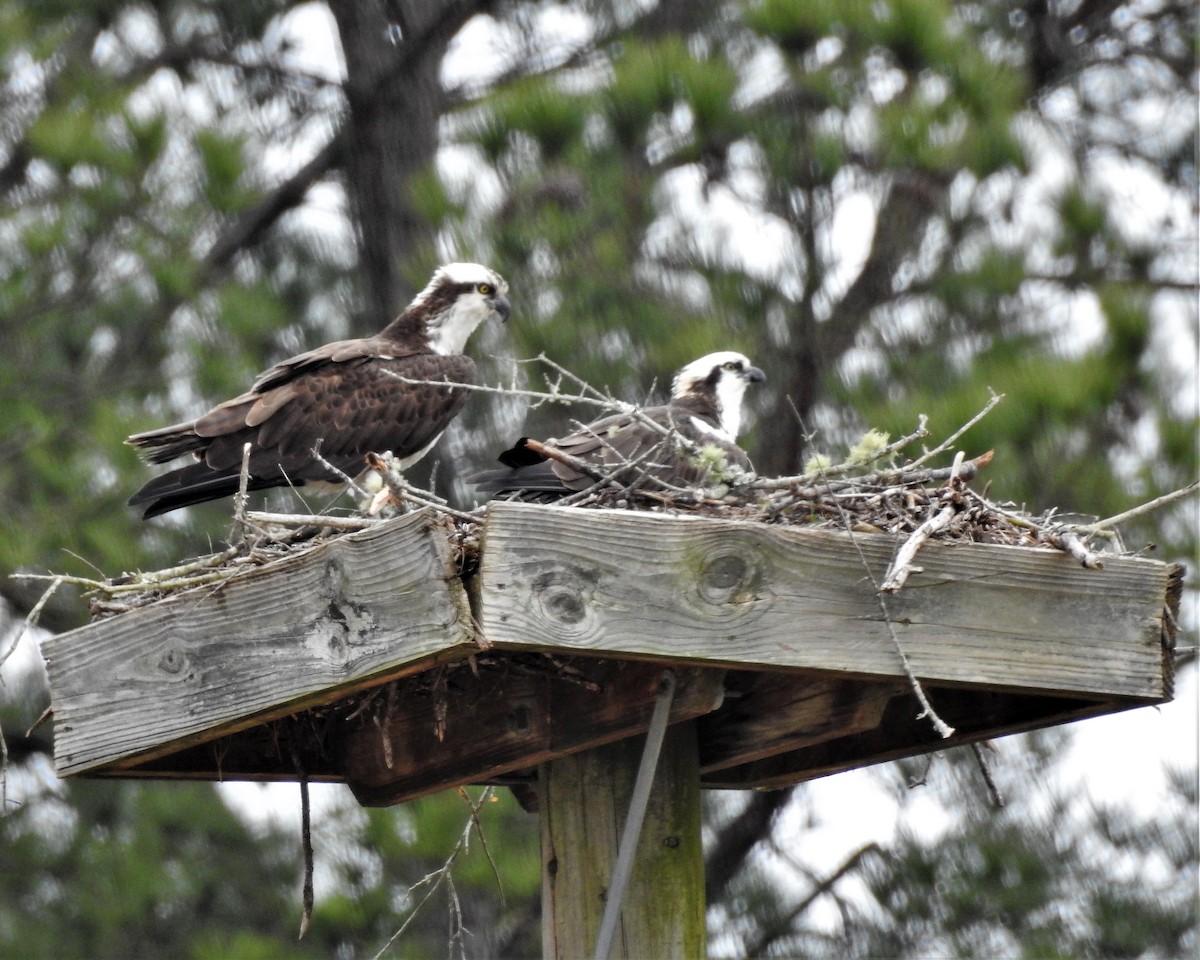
x: 705, y: 410
x: 339, y: 397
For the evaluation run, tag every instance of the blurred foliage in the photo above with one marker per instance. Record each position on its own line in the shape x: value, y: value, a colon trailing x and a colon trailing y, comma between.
x: 890, y: 206
x: 127, y: 869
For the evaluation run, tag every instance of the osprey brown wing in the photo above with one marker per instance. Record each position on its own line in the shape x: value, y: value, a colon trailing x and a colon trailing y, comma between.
x: 352, y: 408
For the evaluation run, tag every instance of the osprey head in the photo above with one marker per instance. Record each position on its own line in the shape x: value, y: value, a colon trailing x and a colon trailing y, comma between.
x: 458, y: 298
x: 721, y: 378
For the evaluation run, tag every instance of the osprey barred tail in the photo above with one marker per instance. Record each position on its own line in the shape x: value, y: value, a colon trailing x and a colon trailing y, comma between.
x: 341, y: 396
x: 705, y: 409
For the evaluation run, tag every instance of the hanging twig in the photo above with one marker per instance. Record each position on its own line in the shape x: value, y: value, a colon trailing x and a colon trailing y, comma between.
x: 306, y: 841
x: 943, y: 728
x: 993, y: 790
x: 441, y: 875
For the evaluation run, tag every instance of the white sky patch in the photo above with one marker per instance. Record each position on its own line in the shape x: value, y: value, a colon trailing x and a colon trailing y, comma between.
x: 485, y: 49
x: 469, y: 179
x: 848, y: 239
x: 1143, y: 209
x: 1120, y: 757
x: 480, y: 53
x: 720, y: 227
x: 314, y: 45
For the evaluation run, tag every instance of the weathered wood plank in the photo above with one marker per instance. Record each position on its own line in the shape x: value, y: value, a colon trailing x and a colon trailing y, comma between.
x: 307, y: 629
x: 503, y: 720
x: 583, y: 800
x: 902, y: 732
x: 742, y: 594
x: 765, y: 714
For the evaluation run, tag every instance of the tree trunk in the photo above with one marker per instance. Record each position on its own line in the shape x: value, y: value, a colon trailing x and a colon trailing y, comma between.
x: 393, y: 56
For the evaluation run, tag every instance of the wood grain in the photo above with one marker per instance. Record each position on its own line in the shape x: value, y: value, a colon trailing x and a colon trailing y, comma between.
x: 750, y: 594
x: 304, y: 630
x: 499, y: 721
x: 765, y: 714
x: 583, y: 800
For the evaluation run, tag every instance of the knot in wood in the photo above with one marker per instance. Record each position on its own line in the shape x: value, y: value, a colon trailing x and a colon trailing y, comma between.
x: 520, y: 720
x: 563, y: 595
x: 172, y: 660
x: 563, y: 604
x: 728, y: 577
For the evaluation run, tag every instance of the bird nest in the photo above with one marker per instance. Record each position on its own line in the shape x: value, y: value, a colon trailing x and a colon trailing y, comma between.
x: 874, y: 490
x: 906, y: 501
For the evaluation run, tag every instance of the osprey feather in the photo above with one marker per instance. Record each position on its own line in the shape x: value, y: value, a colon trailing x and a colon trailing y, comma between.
x: 344, y: 399
x: 705, y: 411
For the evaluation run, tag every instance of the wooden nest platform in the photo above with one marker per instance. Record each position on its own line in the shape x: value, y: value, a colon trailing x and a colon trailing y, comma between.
x: 422, y: 652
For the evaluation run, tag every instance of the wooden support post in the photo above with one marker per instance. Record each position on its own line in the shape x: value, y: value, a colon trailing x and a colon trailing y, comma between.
x: 583, y: 801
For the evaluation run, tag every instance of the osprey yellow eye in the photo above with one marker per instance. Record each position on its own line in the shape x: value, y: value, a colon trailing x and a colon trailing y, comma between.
x: 732, y: 365
x: 484, y: 288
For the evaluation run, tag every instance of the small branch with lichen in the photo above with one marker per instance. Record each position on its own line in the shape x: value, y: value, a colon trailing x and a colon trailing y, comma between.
x: 401, y: 490
x: 872, y: 448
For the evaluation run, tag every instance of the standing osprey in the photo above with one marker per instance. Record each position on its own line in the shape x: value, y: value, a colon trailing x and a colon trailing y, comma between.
x: 339, y: 396
x: 705, y: 410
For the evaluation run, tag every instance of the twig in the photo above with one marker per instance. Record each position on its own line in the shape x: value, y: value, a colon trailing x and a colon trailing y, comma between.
x: 30, y: 621
x: 338, y: 472
x: 905, y: 476
x: 610, y: 404
x: 1071, y: 543
x: 846, y: 466
x: 993, y: 790
x: 483, y: 842
x: 33, y: 616
x: 1155, y: 504
x: 940, y: 725
x: 238, y: 534
x: 902, y: 564
x: 944, y: 729
x: 312, y: 520
x: 949, y: 441
x: 64, y: 578
x: 550, y: 452
x: 401, y: 489
x: 440, y: 875
x: 184, y: 569
x: 562, y: 371
x: 306, y: 841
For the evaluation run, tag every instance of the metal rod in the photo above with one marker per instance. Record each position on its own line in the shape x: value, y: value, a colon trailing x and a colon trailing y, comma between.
x: 636, y: 815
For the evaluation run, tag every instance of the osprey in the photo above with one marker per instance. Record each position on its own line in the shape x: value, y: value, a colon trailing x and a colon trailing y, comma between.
x: 705, y: 410
x: 339, y: 398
